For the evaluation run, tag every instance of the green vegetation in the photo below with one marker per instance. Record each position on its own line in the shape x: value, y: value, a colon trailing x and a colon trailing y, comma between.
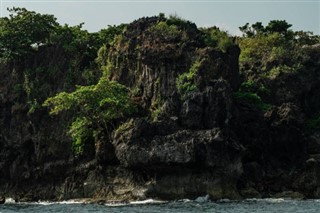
x: 94, y: 107
x: 123, y: 126
x: 248, y: 85
x: 164, y: 30
x: 276, y: 71
x: 156, y: 113
x: 107, y: 35
x: 47, y: 58
x: 23, y: 32
x: 214, y: 37
x: 268, y: 52
x: 250, y: 91
x: 252, y: 98
x: 180, y: 22
x: 252, y: 86
x: 274, y: 49
x: 185, y: 82
x: 275, y: 26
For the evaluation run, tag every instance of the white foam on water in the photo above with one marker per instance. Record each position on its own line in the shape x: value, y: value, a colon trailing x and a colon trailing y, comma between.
x: 44, y: 203
x: 185, y: 200
x: 148, y: 201
x: 116, y: 204
x: 47, y: 203
x: 269, y: 200
x: 275, y: 200
x: 140, y: 202
x: 72, y: 202
x: 10, y: 200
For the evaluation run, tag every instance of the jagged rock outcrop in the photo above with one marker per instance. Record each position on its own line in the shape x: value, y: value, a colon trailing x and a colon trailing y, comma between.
x: 191, y: 130
x: 175, y: 156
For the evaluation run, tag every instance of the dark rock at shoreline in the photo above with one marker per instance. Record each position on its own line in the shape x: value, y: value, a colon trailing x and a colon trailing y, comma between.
x: 2, y: 200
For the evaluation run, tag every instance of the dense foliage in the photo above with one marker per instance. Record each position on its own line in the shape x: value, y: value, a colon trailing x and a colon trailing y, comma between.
x: 268, y: 52
x: 271, y: 50
x: 23, y: 32
x: 186, y: 81
x: 46, y: 58
x: 28, y: 40
x: 95, y: 108
x: 214, y: 37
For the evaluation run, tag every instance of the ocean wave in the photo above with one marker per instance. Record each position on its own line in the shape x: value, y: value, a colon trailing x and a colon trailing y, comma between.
x: 268, y: 200
x: 72, y: 202
x: 148, y: 201
x: 185, y: 200
x: 201, y: 199
x: 46, y: 203
x: 9, y: 200
x: 140, y: 202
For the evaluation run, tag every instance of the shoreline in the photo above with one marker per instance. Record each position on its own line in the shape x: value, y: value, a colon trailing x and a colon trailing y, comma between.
x: 116, y: 203
x: 124, y: 202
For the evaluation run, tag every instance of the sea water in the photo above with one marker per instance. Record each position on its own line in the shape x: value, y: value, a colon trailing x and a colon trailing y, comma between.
x: 181, y: 206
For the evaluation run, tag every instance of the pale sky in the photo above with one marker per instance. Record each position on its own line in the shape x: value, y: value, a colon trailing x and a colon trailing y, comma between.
x: 227, y: 14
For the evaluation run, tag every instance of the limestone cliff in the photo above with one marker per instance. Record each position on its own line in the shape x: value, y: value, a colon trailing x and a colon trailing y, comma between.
x: 191, y: 135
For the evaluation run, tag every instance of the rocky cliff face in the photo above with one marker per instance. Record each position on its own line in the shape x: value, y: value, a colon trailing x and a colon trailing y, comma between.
x: 191, y: 136
x: 185, y: 141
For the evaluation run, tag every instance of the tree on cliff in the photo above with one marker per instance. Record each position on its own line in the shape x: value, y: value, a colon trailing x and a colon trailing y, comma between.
x: 47, y: 56
x: 268, y: 51
x: 23, y: 31
x: 274, y: 26
x: 95, y: 109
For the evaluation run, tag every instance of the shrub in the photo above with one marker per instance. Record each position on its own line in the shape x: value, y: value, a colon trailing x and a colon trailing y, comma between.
x: 252, y: 98
x: 248, y: 85
x: 275, y: 71
x: 214, y: 37
x: 252, y: 87
x: 185, y: 82
x: 164, y: 30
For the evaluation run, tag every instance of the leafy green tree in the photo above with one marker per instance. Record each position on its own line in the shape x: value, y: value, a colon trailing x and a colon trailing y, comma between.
x: 269, y: 52
x: 23, y: 31
x: 306, y: 38
x: 258, y: 28
x: 95, y: 109
x: 273, y: 49
x: 80, y: 47
x: 26, y: 34
x: 246, y: 30
x: 278, y: 26
x: 274, y: 26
